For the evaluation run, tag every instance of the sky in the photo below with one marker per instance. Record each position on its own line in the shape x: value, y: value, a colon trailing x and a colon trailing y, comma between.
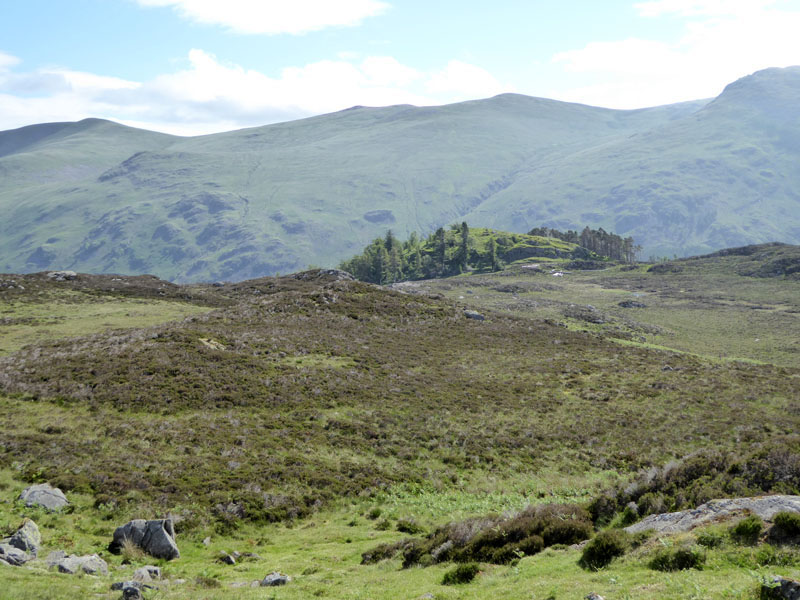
x: 192, y: 67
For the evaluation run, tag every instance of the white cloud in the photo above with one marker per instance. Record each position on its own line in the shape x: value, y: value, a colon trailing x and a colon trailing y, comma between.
x: 721, y: 41
x: 273, y: 17
x: 657, y: 8
x: 210, y: 95
x: 464, y: 79
x: 7, y: 61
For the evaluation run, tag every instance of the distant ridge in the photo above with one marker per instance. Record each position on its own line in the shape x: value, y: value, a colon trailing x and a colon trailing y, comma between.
x: 686, y: 178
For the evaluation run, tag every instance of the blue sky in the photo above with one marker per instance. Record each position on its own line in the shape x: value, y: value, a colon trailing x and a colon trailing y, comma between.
x: 200, y: 66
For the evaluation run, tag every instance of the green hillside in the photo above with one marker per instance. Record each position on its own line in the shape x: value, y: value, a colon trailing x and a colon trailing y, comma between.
x: 98, y: 197
x: 314, y: 420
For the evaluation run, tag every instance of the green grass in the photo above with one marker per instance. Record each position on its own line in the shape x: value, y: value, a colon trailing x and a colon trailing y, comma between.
x: 322, y: 556
x: 707, y: 308
x: 325, y: 400
x: 71, y: 315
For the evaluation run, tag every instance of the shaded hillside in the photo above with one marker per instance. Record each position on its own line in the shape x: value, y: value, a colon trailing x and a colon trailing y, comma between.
x: 720, y: 177
x: 684, y: 178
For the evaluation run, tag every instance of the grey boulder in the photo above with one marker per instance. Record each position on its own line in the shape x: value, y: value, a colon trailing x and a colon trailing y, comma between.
x: 474, y: 315
x: 147, y: 573
x: 156, y: 538
x: 781, y: 588
x: 274, y: 579
x: 44, y: 495
x: 765, y: 507
x: 12, y: 556
x: 27, y: 538
x: 90, y: 565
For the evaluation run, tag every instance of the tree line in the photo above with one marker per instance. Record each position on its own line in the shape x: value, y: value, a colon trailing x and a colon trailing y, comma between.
x: 455, y: 250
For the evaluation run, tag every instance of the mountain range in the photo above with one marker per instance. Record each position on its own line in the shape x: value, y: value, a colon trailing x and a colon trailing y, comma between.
x: 687, y: 178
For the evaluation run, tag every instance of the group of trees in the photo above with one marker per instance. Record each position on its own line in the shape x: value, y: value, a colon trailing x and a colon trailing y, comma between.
x: 456, y: 250
x: 442, y: 253
x: 599, y: 241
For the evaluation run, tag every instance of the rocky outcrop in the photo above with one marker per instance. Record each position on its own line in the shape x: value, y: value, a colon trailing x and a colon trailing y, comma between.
x: 27, y: 539
x: 155, y: 537
x: 765, y: 507
x: 72, y: 564
x: 45, y: 496
x: 62, y: 275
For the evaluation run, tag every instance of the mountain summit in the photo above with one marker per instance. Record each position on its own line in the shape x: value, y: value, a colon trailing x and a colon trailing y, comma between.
x: 681, y: 179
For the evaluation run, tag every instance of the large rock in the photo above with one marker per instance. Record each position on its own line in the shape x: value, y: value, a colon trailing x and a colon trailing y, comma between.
x: 765, y: 507
x: 156, y: 538
x: 27, y: 538
x: 44, y: 495
x: 91, y: 564
x: 274, y: 579
x: 781, y: 588
x: 15, y: 557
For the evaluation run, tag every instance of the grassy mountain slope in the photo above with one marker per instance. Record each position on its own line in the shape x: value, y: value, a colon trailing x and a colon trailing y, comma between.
x: 717, y: 178
x: 277, y: 198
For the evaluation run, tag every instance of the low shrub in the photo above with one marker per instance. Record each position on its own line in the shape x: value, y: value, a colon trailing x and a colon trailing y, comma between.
x: 383, y: 525
x: 710, y: 539
x: 384, y: 551
x: 499, y: 540
x: 374, y: 513
x: 409, y: 526
x: 603, y: 548
x: 747, y: 530
x: 769, y: 555
x: 463, y: 573
x: 677, y: 559
x: 787, y: 523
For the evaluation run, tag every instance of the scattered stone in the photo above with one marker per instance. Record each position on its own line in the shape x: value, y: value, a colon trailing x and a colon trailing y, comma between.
x: 90, y: 564
x: 132, y: 593
x: 226, y: 559
x: 27, y: 538
x: 207, y: 541
x: 471, y: 314
x: 781, y: 588
x: 62, y: 275
x: 13, y: 556
x: 632, y: 304
x: 147, y: 573
x: 44, y: 495
x: 156, y: 537
x: 765, y: 507
x: 274, y: 579
x: 594, y: 596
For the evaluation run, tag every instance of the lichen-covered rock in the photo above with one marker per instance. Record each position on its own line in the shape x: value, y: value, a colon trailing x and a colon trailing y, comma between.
x: 90, y: 565
x: 274, y: 579
x: 147, y: 573
x: 27, y: 538
x: 156, y: 538
x: 765, y: 507
x: 12, y: 556
x: 44, y: 495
